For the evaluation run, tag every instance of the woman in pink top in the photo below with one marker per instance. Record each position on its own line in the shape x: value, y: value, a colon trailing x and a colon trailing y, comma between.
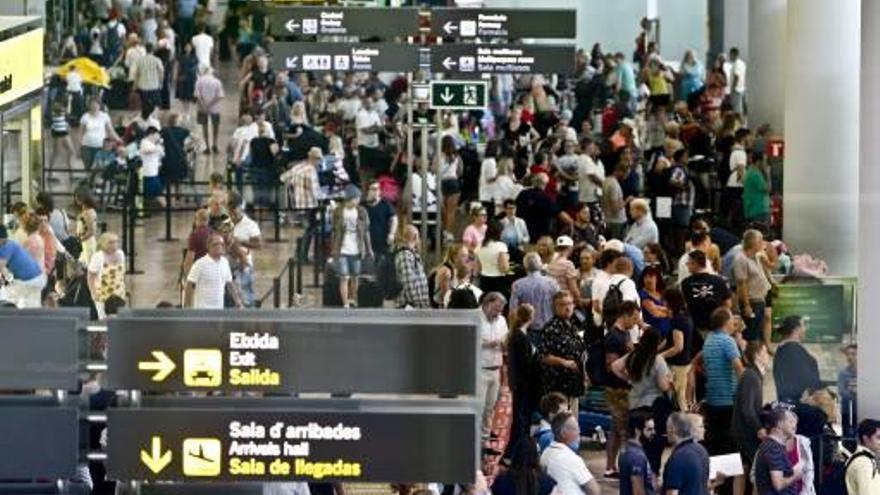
x: 33, y: 244
x: 475, y: 232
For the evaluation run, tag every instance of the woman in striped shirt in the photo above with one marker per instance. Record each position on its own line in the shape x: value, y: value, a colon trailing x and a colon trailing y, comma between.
x: 60, y: 130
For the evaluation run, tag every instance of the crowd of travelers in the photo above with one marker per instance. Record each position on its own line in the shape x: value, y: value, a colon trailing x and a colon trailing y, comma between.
x: 613, y: 230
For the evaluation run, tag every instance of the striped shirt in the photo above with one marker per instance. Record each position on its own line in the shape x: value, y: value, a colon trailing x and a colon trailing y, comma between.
x: 147, y: 72
x: 59, y: 123
x: 302, y: 180
x: 719, y: 351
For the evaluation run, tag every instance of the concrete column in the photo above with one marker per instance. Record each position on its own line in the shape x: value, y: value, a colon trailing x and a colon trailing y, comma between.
x: 869, y: 204
x: 821, y: 184
x: 736, y: 26
x: 765, y: 77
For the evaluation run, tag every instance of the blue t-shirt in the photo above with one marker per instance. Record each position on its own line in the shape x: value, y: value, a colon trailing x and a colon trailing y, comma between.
x: 687, y: 469
x: 544, y: 436
x: 772, y: 457
x: 627, y: 77
x: 660, y: 323
x: 187, y: 8
x: 633, y: 462
x: 718, y: 352
x: 19, y: 261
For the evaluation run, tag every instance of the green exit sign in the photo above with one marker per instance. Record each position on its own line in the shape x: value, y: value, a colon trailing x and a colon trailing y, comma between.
x: 459, y: 95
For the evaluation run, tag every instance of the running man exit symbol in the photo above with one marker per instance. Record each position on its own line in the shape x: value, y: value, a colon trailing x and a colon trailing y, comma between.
x: 470, y: 95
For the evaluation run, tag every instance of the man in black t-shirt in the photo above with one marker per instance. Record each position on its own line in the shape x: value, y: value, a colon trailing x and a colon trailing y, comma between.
x: 538, y: 210
x: 618, y: 344
x: 383, y: 220
x: 704, y: 292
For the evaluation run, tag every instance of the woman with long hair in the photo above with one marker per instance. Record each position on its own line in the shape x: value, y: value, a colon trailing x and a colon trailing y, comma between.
x: 651, y: 380
x: 442, y: 278
x: 521, y: 374
x: 524, y: 476
x: 449, y: 169
x: 654, y: 310
x: 493, y: 261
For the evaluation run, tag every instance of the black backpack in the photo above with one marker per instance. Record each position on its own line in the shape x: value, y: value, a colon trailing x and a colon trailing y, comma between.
x: 611, y: 303
x: 595, y: 366
x: 834, y: 482
x: 386, y: 275
x: 462, y: 297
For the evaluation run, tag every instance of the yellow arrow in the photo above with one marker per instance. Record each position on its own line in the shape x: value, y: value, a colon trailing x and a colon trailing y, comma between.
x: 163, y: 366
x: 156, y: 460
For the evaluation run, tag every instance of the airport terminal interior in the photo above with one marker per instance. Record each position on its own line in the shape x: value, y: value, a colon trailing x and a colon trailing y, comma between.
x: 439, y: 247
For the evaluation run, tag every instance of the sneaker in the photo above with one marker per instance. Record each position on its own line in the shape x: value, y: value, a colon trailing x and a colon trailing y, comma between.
x: 611, y: 475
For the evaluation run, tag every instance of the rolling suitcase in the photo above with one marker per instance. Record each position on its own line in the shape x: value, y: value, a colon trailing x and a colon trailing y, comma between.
x: 330, y: 287
x: 369, y: 293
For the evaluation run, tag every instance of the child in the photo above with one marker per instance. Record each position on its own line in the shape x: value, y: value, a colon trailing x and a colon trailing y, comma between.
x: 60, y: 130
x: 217, y: 199
x: 551, y: 405
x: 104, y: 162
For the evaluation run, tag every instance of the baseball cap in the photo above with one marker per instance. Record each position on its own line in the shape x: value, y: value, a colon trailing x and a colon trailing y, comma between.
x: 613, y: 245
x: 564, y: 241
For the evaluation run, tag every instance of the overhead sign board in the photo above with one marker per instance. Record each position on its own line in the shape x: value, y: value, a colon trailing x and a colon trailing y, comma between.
x: 392, y: 445
x: 503, y: 23
x: 474, y: 59
x: 39, y: 352
x: 38, y: 442
x: 299, y: 353
x: 21, y: 65
x: 345, y: 57
x: 342, y: 21
x: 459, y: 95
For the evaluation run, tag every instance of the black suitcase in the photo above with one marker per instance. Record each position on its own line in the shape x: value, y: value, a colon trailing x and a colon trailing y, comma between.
x: 369, y: 294
x: 330, y: 287
x: 116, y: 97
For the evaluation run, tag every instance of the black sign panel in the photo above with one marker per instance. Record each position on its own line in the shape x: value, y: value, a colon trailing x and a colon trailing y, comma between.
x: 345, y: 57
x: 317, y: 353
x: 473, y: 60
x: 342, y: 21
x: 38, y: 442
x: 503, y: 23
x: 394, y: 445
x: 39, y: 352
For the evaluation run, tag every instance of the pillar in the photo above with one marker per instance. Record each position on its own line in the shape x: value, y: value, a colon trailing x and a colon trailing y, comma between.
x: 869, y: 204
x: 765, y: 75
x: 821, y: 181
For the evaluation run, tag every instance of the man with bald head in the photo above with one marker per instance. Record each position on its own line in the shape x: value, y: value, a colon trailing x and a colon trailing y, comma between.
x: 411, y: 271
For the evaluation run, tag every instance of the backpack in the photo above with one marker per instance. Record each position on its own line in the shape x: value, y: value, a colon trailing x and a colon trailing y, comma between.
x: 112, y: 43
x: 611, y: 303
x: 834, y: 480
x: 386, y: 275
x: 595, y: 366
x: 462, y: 297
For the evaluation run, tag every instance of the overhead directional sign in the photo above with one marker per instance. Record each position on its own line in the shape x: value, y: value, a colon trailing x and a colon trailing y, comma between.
x: 392, y: 354
x: 38, y: 442
x: 345, y: 57
x: 459, y: 95
x: 39, y: 352
x: 474, y: 59
x: 387, y: 444
x: 503, y: 23
x: 342, y: 21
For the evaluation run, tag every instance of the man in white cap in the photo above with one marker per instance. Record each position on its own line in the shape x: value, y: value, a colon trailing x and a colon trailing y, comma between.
x: 561, y: 267
x: 209, y: 93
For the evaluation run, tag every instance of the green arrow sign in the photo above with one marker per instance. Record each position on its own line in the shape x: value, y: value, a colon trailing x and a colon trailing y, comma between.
x: 459, y: 95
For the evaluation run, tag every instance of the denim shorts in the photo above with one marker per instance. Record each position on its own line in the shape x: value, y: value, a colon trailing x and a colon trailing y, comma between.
x: 349, y: 266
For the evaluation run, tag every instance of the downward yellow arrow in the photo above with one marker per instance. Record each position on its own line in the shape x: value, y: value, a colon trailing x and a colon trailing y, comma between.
x: 156, y: 460
x: 163, y: 366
